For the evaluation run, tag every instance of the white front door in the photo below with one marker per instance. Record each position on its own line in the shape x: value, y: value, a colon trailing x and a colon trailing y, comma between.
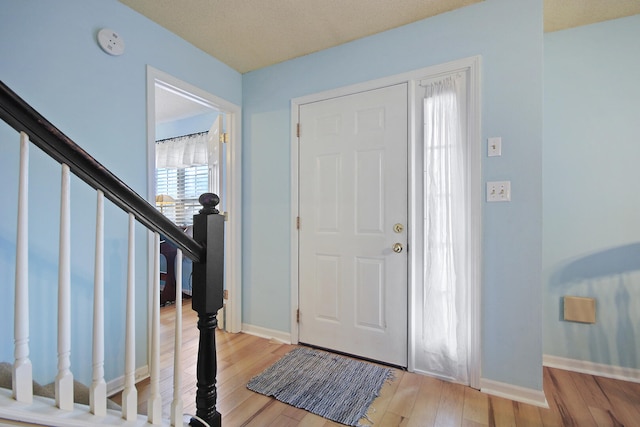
x: 353, y: 212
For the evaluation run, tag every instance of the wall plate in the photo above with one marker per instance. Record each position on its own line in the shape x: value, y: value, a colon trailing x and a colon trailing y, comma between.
x: 498, y: 191
x: 494, y: 146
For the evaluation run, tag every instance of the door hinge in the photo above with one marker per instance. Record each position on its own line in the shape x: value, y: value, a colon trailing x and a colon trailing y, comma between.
x: 297, y: 223
x: 225, y: 215
x: 298, y: 316
x: 298, y: 130
x: 224, y: 138
x: 225, y: 294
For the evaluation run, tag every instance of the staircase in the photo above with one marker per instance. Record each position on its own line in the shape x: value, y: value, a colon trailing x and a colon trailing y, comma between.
x: 19, y: 404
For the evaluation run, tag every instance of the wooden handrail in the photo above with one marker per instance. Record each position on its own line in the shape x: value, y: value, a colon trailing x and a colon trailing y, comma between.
x: 23, y: 118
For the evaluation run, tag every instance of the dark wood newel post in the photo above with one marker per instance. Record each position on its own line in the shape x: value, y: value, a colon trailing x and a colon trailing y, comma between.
x: 208, y: 282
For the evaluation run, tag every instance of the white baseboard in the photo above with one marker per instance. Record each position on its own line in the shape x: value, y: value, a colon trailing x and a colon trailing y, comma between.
x: 271, y: 334
x: 514, y: 392
x: 591, y: 368
x: 117, y: 385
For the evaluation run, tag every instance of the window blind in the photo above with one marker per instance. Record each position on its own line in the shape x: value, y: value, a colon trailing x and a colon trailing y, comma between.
x: 184, y: 185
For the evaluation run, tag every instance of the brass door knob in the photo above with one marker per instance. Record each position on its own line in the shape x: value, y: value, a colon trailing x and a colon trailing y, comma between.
x: 397, y: 247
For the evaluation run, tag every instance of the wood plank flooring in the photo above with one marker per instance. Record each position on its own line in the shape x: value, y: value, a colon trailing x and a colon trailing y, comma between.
x: 410, y: 400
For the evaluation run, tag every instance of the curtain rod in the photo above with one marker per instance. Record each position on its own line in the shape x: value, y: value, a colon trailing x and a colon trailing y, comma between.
x: 439, y: 77
x: 182, y: 136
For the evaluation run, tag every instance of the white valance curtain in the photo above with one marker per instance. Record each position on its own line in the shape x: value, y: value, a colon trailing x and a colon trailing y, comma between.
x: 183, y: 151
x: 445, y: 342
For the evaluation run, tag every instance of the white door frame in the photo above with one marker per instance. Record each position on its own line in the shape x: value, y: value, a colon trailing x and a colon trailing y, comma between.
x: 233, y: 163
x: 472, y: 66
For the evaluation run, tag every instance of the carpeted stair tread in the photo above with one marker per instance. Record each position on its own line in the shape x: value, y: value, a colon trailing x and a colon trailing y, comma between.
x: 80, y: 391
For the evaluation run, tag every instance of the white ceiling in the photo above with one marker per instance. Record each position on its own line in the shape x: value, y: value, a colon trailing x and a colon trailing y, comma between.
x: 171, y: 106
x: 251, y: 34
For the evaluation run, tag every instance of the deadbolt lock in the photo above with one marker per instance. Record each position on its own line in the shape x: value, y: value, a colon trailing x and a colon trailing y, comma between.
x: 398, y: 228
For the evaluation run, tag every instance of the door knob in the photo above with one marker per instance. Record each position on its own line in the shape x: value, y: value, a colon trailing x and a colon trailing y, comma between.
x: 397, y: 247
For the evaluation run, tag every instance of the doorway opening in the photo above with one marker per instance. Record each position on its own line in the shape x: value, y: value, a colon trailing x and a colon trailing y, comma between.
x: 194, y: 147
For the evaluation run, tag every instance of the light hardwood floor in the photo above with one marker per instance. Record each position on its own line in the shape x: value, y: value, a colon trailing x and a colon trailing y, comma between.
x: 409, y: 400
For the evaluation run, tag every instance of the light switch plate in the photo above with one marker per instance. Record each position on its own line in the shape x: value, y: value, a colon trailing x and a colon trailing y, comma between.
x: 494, y: 147
x: 498, y: 191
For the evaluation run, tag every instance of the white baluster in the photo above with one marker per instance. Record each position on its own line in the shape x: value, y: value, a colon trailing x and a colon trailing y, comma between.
x: 22, y: 371
x: 177, y: 404
x: 98, y: 391
x: 64, y: 379
x: 154, y: 404
x: 130, y: 393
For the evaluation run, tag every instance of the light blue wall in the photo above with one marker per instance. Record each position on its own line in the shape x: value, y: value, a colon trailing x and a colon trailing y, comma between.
x: 186, y: 126
x: 591, y: 196
x: 508, y: 36
x: 50, y: 57
x: 100, y: 102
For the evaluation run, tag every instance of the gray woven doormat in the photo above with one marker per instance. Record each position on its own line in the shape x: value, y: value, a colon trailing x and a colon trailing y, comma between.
x: 332, y: 386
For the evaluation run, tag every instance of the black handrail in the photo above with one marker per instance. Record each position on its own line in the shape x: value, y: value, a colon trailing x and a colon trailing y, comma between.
x: 23, y: 118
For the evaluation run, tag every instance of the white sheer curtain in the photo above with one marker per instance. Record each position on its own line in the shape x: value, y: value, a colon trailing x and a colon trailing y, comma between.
x: 445, y: 341
x: 183, y: 151
x: 182, y: 173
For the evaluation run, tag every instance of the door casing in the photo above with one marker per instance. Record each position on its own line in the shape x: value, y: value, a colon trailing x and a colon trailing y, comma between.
x: 233, y: 163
